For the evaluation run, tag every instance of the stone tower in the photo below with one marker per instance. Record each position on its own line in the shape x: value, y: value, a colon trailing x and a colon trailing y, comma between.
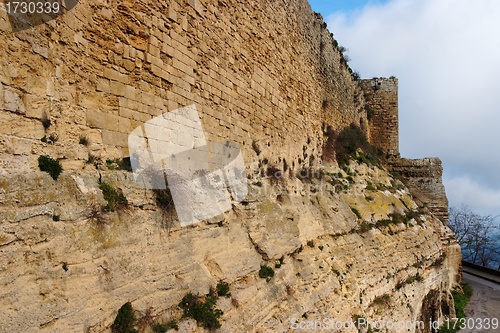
x: 381, y: 95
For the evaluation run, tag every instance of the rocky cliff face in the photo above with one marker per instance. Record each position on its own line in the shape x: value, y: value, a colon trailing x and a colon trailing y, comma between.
x: 424, y: 179
x: 344, y: 244
x: 72, y: 275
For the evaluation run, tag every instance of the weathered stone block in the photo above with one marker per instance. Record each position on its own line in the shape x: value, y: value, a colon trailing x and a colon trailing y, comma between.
x: 115, y: 75
x: 13, y: 100
x: 118, y: 88
x: 103, y: 85
x: 113, y: 138
x: 15, y: 146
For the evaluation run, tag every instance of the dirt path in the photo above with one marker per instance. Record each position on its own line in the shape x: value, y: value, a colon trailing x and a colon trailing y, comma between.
x: 485, y: 303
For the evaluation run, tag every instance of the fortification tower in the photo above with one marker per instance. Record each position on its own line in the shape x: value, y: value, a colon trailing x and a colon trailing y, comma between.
x: 381, y: 95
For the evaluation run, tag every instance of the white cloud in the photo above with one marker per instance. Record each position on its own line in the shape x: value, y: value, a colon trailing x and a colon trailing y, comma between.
x: 446, y: 55
x: 462, y: 189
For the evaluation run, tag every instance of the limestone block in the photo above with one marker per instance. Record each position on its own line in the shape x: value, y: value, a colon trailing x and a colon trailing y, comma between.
x: 36, y: 106
x: 154, y: 59
x: 148, y: 99
x: 129, y: 65
x: 103, y: 120
x: 27, y: 128
x: 13, y: 164
x: 115, y: 75
x: 72, y: 164
x: 15, y: 146
x: 103, y: 85
x: 115, y: 138
x: 13, y: 100
x: 196, y: 6
x: 118, y: 88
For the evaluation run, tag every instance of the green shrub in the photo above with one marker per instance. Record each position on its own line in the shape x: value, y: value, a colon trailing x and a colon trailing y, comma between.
x: 125, y: 320
x: 460, y: 299
x: 347, y: 144
x: 56, y: 218
x: 266, y: 272
x: 356, y: 76
x: 356, y: 212
x: 202, y: 309
x: 364, y: 227
x: 116, y: 199
x: 223, y: 289
x: 119, y: 164
x: 382, y: 300
x: 51, y: 139
x: 393, y: 218
x: 163, y: 328
x: 48, y: 164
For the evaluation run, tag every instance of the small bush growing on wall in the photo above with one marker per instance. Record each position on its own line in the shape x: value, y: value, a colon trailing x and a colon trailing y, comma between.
x: 49, y: 165
x: 202, y: 309
x: 163, y: 328
x: 356, y: 212
x: 114, y: 197
x: 266, y: 272
x: 125, y: 320
x: 351, y: 140
x: 223, y: 289
x: 119, y: 164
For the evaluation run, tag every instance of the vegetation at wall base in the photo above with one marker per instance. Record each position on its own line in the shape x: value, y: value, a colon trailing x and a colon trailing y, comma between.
x: 49, y: 165
x: 460, y: 298
x: 350, y: 144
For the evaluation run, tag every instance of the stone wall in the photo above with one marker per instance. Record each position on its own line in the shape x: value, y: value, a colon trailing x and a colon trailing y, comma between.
x: 264, y: 74
x: 381, y: 95
x: 259, y: 71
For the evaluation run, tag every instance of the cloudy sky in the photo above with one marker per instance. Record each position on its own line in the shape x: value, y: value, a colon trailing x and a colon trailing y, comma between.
x: 446, y: 54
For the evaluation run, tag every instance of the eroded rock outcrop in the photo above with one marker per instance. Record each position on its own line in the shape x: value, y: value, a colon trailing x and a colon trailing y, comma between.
x: 73, y: 274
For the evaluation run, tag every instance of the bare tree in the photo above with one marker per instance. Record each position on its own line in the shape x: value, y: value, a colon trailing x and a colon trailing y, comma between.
x: 477, y: 235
